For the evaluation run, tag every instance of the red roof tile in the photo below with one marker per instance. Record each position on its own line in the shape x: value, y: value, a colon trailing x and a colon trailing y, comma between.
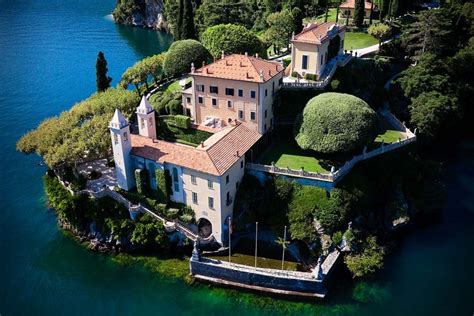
x: 240, y: 67
x: 350, y: 4
x: 315, y: 33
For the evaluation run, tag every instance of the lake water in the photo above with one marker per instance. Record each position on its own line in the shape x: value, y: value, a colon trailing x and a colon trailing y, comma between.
x: 47, y: 62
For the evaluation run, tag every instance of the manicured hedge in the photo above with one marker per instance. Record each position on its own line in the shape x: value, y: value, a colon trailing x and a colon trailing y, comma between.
x: 335, y: 123
x: 141, y: 180
x: 180, y: 56
x: 161, y: 186
x: 312, y: 77
x: 182, y: 121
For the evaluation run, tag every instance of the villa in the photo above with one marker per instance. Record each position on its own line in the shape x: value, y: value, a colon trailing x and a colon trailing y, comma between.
x: 346, y: 9
x: 234, y: 87
x: 314, y: 47
x: 205, y: 178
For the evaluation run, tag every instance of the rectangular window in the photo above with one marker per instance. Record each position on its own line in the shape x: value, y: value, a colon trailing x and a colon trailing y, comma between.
x: 193, y: 179
x: 253, y: 94
x: 200, y: 100
x: 252, y: 116
x: 188, y: 100
x: 266, y: 92
x: 125, y: 137
x: 304, y: 62
x: 241, y: 93
x: 116, y: 140
x: 210, y: 202
x: 241, y: 115
x: 241, y: 164
x: 322, y: 59
x: 229, y: 104
x: 210, y: 184
x: 229, y: 91
x: 214, y: 89
x: 195, y: 198
x: 273, y: 87
x: 265, y: 113
x: 265, y: 127
x: 176, y: 186
x: 214, y: 102
x: 227, y: 179
x: 200, y: 87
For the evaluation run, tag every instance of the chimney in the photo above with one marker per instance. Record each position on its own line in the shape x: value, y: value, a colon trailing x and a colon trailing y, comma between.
x: 246, y: 54
x: 203, y: 63
x: 202, y: 144
x: 261, y: 75
x: 269, y: 72
x: 293, y: 36
x: 256, y: 55
x: 222, y: 54
x: 193, y: 69
x: 237, y: 154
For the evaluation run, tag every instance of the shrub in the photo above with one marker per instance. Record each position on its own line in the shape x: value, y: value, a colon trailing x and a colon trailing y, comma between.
x: 181, y: 54
x: 335, y: 123
x: 141, y: 180
x: 161, y: 185
x: 337, y: 237
x: 366, y: 262
x: 295, y: 74
x: 232, y: 39
x: 167, y: 102
x: 312, y: 77
x: 182, y: 121
x: 335, y: 84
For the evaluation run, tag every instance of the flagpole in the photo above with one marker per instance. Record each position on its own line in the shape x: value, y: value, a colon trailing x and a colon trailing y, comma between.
x: 256, y: 242
x: 230, y: 243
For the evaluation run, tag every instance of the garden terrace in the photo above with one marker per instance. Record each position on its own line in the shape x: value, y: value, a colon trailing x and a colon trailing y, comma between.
x: 167, y: 130
x: 262, y: 262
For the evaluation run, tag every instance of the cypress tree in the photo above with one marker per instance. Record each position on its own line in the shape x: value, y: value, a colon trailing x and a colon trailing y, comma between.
x: 298, y: 19
x: 187, y: 23
x: 179, y: 21
x: 102, y: 80
x: 394, y: 8
x: 359, y: 11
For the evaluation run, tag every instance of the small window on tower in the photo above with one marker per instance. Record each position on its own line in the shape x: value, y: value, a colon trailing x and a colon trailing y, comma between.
x: 116, y: 139
x: 125, y: 137
x: 142, y: 123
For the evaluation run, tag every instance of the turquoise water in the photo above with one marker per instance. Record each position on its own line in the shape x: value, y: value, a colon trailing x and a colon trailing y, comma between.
x: 47, y: 59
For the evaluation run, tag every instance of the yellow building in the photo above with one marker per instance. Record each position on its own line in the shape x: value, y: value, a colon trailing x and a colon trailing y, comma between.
x: 346, y: 9
x: 234, y: 88
x: 312, y: 48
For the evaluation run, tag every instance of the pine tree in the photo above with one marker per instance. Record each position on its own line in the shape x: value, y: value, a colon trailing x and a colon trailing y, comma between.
x: 359, y: 11
x: 102, y: 80
x: 187, y: 23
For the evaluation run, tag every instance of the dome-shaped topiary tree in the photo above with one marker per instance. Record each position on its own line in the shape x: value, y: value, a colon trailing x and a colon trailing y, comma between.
x: 232, y: 39
x: 335, y: 123
x: 181, y: 54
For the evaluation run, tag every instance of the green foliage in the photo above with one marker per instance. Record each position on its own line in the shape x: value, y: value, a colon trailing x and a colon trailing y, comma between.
x: 167, y: 102
x: 359, y: 12
x: 123, y: 12
x: 187, y: 30
x: 368, y: 261
x: 139, y: 73
x: 380, y: 31
x: 180, y: 56
x: 368, y: 86
x: 337, y: 237
x: 182, y: 121
x: 335, y: 123
x: 102, y: 80
x: 149, y: 232
x: 232, y: 39
x: 161, y: 185
x: 311, y: 77
x: 82, y: 132
x: 281, y: 28
x: 431, y: 112
x: 430, y: 33
x: 141, y: 179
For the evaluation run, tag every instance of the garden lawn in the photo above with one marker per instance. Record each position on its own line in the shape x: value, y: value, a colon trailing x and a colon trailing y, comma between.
x: 389, y: 136
x: 262, y: 262
x: 175, y: 85
x: 357, y: 40
x: 169, y: 132
x: 286, y: 153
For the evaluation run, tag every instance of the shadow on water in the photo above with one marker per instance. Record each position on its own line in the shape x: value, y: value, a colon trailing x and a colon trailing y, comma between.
x: 145, y: 42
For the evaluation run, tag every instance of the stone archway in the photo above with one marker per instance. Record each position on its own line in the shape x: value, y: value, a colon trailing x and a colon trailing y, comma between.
x: 204, y: 228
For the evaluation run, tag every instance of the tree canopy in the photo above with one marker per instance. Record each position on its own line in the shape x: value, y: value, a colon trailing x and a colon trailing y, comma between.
x: 359, y: 12
x: 380, y: 31
x: 80, y: 133
x: 180, y: 56
x: 139, y: 73
x: 335, y: 123
x: 232, y: 38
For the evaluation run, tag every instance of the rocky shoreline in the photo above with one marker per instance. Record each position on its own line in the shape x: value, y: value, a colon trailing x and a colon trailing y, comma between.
x: 141, y: 13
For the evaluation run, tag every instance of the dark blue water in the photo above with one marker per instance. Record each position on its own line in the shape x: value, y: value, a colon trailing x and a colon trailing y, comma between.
x: 47, y: 63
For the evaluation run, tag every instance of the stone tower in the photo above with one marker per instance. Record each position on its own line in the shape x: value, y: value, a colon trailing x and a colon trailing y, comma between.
x: 146, y: 119
x: 122, y: 147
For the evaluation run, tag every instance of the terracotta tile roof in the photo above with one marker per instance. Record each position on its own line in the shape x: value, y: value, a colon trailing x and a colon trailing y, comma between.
x: 217, y: 155
x: 350, y: 4
x: 232, y: 145
x: 316, y: 33
x: 240, y: 67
